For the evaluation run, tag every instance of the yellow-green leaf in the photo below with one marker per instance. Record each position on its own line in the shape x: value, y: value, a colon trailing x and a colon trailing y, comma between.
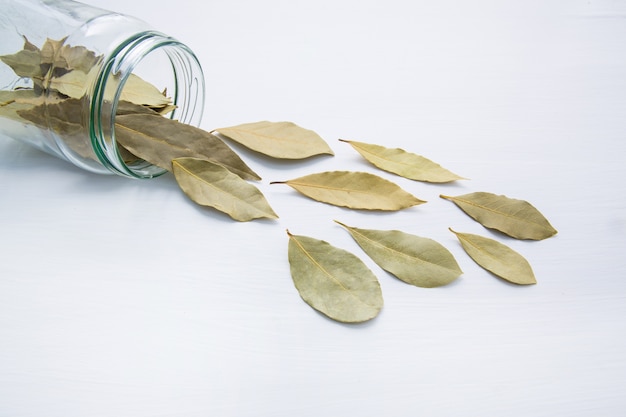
x: 159, y: 140
x: 516, y: 218
x: 25, y: 63
x: 138, y: 91
x: 357, y: 190
x: 73, y: 84
x: 50, y: 53
x: 66, y: 119
x: 497, y: 258
x: 79, y: 58
x: 283, y: 140
x: 14, y: 101
x: 333, y: 281
x: 415, y: 260
x: 212, y: 185
x: 403, y: 163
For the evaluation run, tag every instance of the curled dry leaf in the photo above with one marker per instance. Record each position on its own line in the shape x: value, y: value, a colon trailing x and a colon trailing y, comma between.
x: 403, y: 163
x: 78, y: 58
x: 356, y: 190
x: 35, y: 63
x: 516, y: 218
x: 25, y: 63
x: 497, y: 258
x: 283, y: 140
x: 51, y: 53
x: 160, y: 140
x: 141, y: 92
x: 212, y: 185
x: 333, y: 281
x: 73, y: 84
x: 415, y: 260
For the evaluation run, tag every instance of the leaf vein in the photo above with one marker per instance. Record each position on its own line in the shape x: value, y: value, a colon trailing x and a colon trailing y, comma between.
x: 496, y: 210
x: 328, y: 274
x: 403, y: 254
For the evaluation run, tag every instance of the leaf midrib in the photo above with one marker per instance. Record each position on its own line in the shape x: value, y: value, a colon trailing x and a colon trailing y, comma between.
x: 509, y: 216
x: 192, y: 174
x: 423, y: 261
x: 248, y: 132
x: 404, y: 164
x: 153, y: 138
x: 345, y: 190
x: 328, y: 274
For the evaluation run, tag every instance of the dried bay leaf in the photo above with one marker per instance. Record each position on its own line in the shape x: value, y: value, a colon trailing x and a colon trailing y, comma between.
x: 333, y: 281
x: 138, y: 91
x: 14, y: 101
x: 210, y: 184
x: 283, y: 140
x: 126, y: 107
x: 78, y: 58
x: 516, y: 218
x: 160, y: 140
x: 65, y: 118
x: 403, y: 163
x: 27, y: 96
x: 50, y: 53
x: 356, y: 190
x: 72, y: 84
x: 497, y: 258
x: 413, y: 259
x: 25, y: 63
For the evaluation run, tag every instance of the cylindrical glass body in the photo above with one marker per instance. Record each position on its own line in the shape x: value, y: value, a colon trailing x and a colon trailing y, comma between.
x: 66, y: 70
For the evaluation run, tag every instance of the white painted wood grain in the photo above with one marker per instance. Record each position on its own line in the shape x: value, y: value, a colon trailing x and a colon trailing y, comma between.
x: 121, y: 298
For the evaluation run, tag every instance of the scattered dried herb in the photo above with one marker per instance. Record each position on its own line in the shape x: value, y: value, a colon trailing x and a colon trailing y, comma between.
x: 159, y: 140
x: 497, y: 258
x: 210, y: 184
x: 403, y: 163
x: 356, y: 190
x: 415, y: 260
x: 516, y: 218
x: 333, y: 281
x: 284, y: 140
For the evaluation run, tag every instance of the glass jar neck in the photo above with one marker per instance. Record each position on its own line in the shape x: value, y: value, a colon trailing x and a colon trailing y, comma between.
x: 159, y: 57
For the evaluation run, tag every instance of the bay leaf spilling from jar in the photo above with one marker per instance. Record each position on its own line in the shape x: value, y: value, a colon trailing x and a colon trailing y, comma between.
x: 331, y: 280
x: 60, y: 75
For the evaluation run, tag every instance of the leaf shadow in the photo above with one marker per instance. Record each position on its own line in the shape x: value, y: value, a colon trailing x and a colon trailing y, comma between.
x: 360, y: 325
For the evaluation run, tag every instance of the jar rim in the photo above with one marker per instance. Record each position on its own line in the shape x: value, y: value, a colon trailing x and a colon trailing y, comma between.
x: 188, y: 96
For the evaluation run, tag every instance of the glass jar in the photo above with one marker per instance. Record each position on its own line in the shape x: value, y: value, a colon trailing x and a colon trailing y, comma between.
x: 67, y: 69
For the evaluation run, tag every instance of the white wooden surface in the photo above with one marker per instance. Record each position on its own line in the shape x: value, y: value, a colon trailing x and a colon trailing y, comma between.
x: 121, y: 298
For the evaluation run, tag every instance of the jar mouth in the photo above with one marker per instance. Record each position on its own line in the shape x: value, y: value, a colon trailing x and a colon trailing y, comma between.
x: 168, y: 65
